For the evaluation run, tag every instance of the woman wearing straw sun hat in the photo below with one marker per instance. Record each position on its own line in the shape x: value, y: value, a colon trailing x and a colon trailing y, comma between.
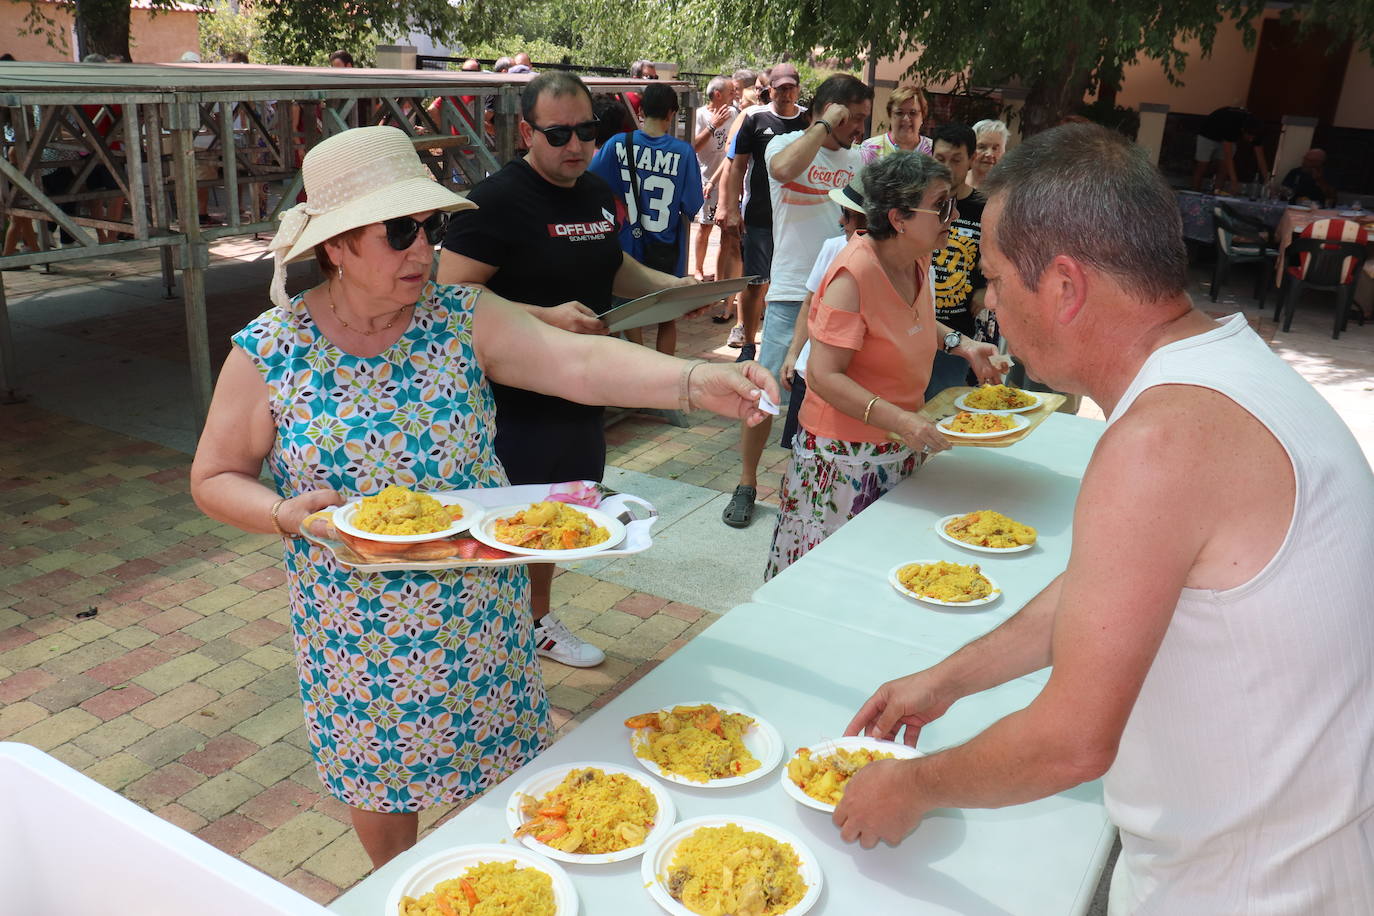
x: 420, y: 688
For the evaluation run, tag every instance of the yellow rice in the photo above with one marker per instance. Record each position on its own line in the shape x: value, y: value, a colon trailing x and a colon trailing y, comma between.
x: 965, y: 422
x: 945, y: 581
x: 501, y: 888
x: 601, y: 812
x: 396, y: 510
x: 998, y: 397
x: 986, y: 528
x: 694, y: 753
x: 824, y: 778
x: 729, y: 870
x: 549, y: 526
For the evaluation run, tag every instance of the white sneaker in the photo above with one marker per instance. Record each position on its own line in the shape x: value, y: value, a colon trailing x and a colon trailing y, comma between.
x: 554, y: 640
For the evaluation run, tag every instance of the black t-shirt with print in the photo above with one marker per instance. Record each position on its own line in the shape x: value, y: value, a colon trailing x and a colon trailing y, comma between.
x: 760, y: 126
x: 549, y: 245
x: 958, y: 272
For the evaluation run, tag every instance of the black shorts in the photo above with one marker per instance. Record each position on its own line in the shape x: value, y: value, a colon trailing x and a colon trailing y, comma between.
x: 758, y: 252
x: 552, y: 450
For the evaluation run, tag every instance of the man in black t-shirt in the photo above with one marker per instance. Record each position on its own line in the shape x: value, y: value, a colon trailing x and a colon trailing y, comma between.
x: 957, y: 271
x: 545, y: 234
x: 1221, y: 132
x: 761, y: 124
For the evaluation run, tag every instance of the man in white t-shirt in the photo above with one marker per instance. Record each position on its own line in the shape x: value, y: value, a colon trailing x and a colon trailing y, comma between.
x: 803, y: 167
x: 712, y: 131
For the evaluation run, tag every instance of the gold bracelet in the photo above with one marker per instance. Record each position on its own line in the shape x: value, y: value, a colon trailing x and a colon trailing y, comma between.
x: 869, y: 408
x: 276, y: 522
x: 684, y: 392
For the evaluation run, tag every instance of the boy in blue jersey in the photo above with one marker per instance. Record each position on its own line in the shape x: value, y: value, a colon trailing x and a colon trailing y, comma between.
x: 668, y: 180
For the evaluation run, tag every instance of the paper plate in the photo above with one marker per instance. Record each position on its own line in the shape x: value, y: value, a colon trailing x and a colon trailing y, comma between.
x: 343, y: 520
x: 823, y: 748
x: 940, y: 530
x: 485, y: 527
x: 961, y: 402
x: 542, y: 783
x: 1018, y: 423
x: 421, y: 878
x: 654, y: 868
x: 897, y: 584
x: 762, y: 740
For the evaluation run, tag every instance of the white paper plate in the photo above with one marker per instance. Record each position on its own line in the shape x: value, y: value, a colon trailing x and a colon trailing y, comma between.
x: 762, y: 740
x: 421, y: 878
x: 824, y: 748
x: 541, y: 784
x: 1019, y: 422
x: 940, y: 530
x: 343, y: 520
x: 897, y: 584
x: 654, y: 867
x: 484, y: 531
x: 961, y: 402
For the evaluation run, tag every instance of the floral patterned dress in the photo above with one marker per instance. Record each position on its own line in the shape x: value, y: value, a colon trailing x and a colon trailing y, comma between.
x: 420, y: 688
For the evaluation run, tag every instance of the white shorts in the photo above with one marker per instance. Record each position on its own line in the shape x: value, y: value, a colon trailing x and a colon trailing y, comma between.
x: 1208, y: 150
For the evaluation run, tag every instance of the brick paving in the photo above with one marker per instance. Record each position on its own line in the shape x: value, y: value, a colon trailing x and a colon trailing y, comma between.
x: 179, y: 691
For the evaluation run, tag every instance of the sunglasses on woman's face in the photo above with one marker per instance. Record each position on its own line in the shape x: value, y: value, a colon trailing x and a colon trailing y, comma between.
x: 401, y: 231
x: 560, y: 134
x: 944, y: 214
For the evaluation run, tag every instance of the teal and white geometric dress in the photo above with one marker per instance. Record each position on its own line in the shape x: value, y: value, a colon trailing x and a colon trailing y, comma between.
x: 420, y: 688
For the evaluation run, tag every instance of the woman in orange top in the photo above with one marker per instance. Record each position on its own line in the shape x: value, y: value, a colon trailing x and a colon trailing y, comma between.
x: 873, y: 339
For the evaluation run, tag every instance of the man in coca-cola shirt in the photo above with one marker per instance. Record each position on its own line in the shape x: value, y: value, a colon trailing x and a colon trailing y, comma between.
x: 803, y: 167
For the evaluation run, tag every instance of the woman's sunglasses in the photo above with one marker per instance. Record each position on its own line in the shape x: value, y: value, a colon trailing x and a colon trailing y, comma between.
x: 944, y: 214
x: 560, y: 134
x: 401, y: 230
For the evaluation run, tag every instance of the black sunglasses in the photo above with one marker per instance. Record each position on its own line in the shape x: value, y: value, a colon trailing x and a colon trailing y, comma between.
x: 401, y: 230
x: 560, y: 134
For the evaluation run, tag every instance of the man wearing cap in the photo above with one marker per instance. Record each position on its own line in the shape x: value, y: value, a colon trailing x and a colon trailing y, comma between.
x: 545, y: 234
x: 760, y: 125
x: 802, y: 168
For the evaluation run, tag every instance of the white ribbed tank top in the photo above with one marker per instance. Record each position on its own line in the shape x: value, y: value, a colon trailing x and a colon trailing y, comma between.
x: 1243, y: 782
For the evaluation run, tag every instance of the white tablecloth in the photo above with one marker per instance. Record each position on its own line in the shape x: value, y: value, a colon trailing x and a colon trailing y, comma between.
x: 808, y: 658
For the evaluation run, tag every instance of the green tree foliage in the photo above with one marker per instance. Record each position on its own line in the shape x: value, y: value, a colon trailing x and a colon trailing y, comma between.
x: 307, y: 31
x: 225, y: 30
x: 1057, y: 49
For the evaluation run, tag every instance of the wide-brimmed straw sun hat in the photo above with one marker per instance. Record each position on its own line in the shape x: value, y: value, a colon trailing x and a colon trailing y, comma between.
x: 354, y: 178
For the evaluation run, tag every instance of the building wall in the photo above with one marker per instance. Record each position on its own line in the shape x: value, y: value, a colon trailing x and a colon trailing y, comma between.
x: 1356, y: 108
x: 153, y: 39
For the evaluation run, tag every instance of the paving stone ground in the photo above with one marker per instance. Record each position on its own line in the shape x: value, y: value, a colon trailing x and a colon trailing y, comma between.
x: 148, y: 646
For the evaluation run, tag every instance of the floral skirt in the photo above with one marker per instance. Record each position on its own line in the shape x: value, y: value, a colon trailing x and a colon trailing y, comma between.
x: 829, y: 482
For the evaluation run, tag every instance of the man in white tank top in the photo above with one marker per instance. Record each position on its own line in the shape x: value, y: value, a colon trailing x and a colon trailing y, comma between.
x: 1212, y: 638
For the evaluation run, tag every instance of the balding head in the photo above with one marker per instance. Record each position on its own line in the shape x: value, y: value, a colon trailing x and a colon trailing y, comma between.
x: 1314, y: 159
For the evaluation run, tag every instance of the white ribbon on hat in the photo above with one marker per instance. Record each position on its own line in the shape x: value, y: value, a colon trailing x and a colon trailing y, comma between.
x: 293, y: 223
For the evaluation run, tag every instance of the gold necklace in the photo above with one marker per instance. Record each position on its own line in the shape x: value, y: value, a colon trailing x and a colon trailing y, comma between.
x: 329, y: 291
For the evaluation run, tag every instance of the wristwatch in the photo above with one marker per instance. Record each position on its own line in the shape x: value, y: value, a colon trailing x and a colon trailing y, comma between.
x: 952, y: 341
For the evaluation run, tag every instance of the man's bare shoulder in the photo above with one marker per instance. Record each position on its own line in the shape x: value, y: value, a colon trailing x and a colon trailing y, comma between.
x: 1197, y: 460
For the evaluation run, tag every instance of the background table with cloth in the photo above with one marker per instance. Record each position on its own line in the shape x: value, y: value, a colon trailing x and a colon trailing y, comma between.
x: 1295, y: 219
x: 1196, y: 211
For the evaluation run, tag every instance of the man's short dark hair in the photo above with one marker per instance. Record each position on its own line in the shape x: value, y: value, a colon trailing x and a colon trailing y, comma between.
x: 658, y: 101
x: 1087, y: 192
x: 841, y: 88
x: 555, y: 83
x: 957, y: 135
x: 341, y: 56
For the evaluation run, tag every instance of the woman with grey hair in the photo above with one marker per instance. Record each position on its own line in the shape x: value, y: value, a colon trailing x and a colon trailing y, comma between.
x: 873, y: 339
x: 992, y: 145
